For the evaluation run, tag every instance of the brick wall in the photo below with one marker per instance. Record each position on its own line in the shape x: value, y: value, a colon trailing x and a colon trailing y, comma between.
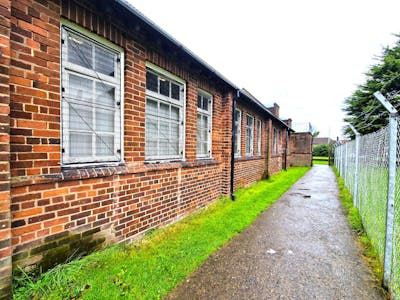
x: 301, y: 149
x: 56, y: 212
x: 276, y: 158
x: 250, y: 169
x: 5, y: 233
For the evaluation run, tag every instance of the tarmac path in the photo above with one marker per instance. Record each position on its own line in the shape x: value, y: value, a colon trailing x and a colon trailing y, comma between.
x: 300, y: 248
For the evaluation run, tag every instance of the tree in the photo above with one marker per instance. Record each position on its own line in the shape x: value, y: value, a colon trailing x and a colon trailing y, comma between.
x: 362, y: 110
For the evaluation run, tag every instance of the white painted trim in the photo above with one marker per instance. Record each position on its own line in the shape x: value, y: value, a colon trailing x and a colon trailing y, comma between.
x: 238, y: 135
x: 208, y: 113
x: 165, y: 73
x: 67, y: 26
x: 252, y: 136
x: 180, y: 103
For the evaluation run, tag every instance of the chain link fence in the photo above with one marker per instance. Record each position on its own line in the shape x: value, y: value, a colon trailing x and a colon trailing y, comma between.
x: 365, y: 170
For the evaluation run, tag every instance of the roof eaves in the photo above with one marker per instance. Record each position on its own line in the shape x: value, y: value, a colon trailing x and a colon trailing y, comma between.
x: 248, y: 95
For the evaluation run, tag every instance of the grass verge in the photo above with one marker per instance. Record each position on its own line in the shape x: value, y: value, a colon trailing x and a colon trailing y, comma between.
x: 320, y: 160
x: 153, y: 266
x: 370, y: 254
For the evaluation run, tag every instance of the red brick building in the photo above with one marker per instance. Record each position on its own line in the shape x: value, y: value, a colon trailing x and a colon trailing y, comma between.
x: 260, y: 144
x: 110, y: 127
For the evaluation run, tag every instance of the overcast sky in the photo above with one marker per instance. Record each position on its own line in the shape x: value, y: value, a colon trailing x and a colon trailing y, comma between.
x: 307, y: 56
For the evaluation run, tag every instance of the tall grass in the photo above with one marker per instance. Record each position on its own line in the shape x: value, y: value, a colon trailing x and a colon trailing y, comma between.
x: 369, y: 251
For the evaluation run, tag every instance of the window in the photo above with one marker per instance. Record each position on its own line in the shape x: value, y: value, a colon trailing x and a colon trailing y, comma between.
x: 279, y: 143
x: 204, y: 118
x: 249, y: 134
x: 274, y: 146
x: 91, y: 98
x: 259, y: 137
x: 237, y: 129
x: 164, y: 115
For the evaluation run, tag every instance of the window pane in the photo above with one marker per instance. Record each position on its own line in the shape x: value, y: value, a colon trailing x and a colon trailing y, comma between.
x: 175, y: 91
x: 151, y: 107
x: 205, y: 103
x: 199, y: 101
x: 205, y: 121
x: 151, y: 82
x: 151, y: 129
x: 105, y: 94
x: 174, y: 141
x: 104, y: 145
x: 163, y: 147
x: 151, y: 148
x: 164, y: 87
x: 205, y: 135
x: 164, y: 110
x: 204, y: 148
x: 174, y: 147
x: 79, y: 51
x: 80, y: 117
x: 198, y: 147
x: 174, y: 113
x: 164, y: 130
x: 199, y: 121
x: 249, y: 121
x: 104, y: 61
x: 237, y: 115
x: 80, y: 88
x: 80, y: 144
x: 105, y: 120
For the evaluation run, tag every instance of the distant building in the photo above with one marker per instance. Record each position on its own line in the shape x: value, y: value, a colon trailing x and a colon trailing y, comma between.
x: 322, y: 141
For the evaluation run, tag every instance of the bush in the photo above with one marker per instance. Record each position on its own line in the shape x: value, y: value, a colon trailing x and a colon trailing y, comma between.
x: 321, y: 150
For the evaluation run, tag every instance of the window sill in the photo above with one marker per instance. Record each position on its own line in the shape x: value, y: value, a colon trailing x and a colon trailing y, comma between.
x: 88, y: 172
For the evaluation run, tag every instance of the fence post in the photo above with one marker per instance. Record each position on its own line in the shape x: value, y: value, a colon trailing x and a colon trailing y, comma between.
x: 391, y: 188
x: 357, y: 141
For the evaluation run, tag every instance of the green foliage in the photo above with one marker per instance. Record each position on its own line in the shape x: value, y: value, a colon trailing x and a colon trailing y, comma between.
x: 369, y: 252
x: 321, y: 150
x: 362, y: 110
x: 153, y: 266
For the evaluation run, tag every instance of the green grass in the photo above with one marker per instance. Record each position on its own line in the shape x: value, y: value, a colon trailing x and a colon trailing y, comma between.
x: 369, y: 252
x: 320, y: 160
x: 153, y: 266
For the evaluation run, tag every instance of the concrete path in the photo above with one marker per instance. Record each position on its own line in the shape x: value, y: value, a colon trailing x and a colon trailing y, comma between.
x: 300, y: 248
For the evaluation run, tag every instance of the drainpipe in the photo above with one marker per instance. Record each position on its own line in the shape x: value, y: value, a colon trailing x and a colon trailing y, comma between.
x: 233, y: 145
x: 286, y: 149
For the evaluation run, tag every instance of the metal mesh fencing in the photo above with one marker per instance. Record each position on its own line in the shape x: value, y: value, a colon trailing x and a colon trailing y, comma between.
x: 396, y: 230
x: 372, y: 186
x: 371, y: 179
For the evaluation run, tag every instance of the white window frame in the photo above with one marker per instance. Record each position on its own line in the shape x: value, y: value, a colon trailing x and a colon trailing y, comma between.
x: 159, y: 98
x: 208, y: 113
x: 279, y: 143
x: 238, y: 132
x: 250, y: 136
x: 68, y: 29
x: 259, y: 130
